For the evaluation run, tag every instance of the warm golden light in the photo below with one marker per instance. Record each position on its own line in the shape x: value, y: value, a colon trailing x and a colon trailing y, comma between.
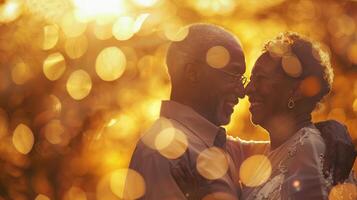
x: 71, y: 26
x: 149, y: 137
x: 297, y: 185
x: 212, y: 163
x: 354, y: 105
x: 54, y: 66
x: 10, y: 10
x: 23, y: 139
x: 103, y: 190
x: 291, y: 65
x: 145, y: 3
x: 54, y: 131
x: 110, y: 63
x: 352, y: 53
x: 42, y: 197
x: 87, y: 78
x: 76, y: 47
x: 214, y: 7
x: 139, y: 21
x: 75, y: 193
x: 50, y: 36
x: 342, y: 25
x: 92, y: 9
x: 255, y: 170
x: 175, y: 32
x: 21, y: 73
x: 127, y: 184
x: 121, y: 127
x: 343, y: 191
x: 123, y: 28
x: 103, y: 32
x: 278, y: 49
x: 310, y: 86
x: 79, y: 84
x: 217, y: 57
x: 219, y: 196
x: 171, y: 143
x: 3, y: 123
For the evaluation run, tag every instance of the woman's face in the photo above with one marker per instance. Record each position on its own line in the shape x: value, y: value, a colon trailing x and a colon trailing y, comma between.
x: 268, y: 90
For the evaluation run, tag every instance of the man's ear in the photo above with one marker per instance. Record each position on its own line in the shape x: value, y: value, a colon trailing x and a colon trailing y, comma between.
x: 191, y: 72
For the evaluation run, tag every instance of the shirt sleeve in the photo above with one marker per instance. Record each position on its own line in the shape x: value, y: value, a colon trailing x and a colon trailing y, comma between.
x: 304, y: 179
x: 159, y: 184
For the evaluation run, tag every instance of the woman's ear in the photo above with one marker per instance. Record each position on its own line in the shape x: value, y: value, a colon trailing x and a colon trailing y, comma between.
x: 191, y: 72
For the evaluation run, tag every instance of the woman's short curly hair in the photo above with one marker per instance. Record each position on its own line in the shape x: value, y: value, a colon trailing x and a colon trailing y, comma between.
x: 314, y: 60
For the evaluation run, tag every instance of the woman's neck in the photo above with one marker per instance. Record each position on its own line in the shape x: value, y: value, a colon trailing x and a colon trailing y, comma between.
x: 281, y: 128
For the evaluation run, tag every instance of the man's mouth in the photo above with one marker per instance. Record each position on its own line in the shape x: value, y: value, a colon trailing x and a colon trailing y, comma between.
x: 229, y: 105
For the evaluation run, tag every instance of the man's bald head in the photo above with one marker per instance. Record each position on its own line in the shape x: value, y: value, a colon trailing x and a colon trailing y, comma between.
x: 193, y: 49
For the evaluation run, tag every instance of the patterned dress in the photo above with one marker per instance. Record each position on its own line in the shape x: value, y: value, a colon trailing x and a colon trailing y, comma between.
x: 296, y: 170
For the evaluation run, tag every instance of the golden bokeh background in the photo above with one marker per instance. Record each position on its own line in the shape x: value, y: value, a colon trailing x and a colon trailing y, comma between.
x: 80, y: 80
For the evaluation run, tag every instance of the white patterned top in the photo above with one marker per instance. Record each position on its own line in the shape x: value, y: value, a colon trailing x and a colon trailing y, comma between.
x: 296, y: 170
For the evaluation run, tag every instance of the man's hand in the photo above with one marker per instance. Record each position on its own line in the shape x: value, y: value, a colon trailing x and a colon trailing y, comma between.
x: 340, y: 151
x: 190, y: 182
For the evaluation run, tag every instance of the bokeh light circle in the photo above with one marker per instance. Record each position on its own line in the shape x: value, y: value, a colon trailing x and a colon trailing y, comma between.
x: 76, y: 47
x: 23, y: 139
x: 171, y: 143
x: 346, y: 191
x: 79, y: 84
x: 127, y: 184
x: 21, y: 73
x: 310, y: 86
x: 54, y: 66
x: 217, y: 57
x: 123, y: 28
x: 71, y: 26
x: 50, y: 36
x: 255, y: 170
x: 75, y: 193
x: 219, y: 196
x: 291, y: 65
x: 110, y: 63
x: 212, y: 163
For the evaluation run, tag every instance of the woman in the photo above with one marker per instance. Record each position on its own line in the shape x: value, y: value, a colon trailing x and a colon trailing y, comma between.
x: 288, y: 80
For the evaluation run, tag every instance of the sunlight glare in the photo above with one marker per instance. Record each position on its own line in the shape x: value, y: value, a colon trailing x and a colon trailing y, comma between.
x: 89, y: 9
x: 145, y: 3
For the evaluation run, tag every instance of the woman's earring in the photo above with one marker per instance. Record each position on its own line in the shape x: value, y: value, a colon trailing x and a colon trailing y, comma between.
x: 291, y: 103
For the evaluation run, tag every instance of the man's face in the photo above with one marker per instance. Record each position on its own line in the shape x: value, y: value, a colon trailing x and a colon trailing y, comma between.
x: 222, y: 87
x: 268, y: 90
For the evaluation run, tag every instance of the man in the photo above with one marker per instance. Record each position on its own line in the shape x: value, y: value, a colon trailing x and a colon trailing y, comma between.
x: 206, y: 71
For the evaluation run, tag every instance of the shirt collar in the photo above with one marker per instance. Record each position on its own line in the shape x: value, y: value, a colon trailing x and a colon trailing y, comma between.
x: 185, y: 115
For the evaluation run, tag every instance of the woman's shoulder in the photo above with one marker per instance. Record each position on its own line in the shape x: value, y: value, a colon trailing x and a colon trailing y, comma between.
x: 306, y: 154
x: 310, y: 143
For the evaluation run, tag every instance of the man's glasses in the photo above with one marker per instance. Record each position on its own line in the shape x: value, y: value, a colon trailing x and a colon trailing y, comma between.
x: 234, y: 77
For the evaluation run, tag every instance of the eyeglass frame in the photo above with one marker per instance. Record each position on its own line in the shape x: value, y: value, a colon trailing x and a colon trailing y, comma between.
x: 237, y: 77
x: 242, y: 79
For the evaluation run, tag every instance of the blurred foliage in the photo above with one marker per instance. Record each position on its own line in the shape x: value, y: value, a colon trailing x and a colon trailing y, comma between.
x: 65, y: 124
